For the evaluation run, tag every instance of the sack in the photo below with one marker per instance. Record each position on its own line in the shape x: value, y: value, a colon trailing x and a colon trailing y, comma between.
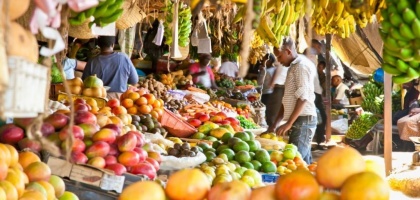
x: 174, y: 163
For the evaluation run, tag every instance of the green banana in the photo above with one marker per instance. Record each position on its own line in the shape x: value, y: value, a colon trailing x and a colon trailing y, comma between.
x: 391, y: 43
x: 406, y: 54
x: 386, y: 26
x: 74, y: 22
x: 417, y: 55
x: 406, y: 32
x: 100, y: 11
x: 90, y: 12
x: 404, y: 44
x: 418, y: 9
x: 402, y: 5
x: 111, y: 18
x: 408, y: 15
x: 396, y: 35
x: 113, y: 8
x: 400, y: 79
x: 395, y: 19
x: 390, y: 69
x: 415, y: 27
x: 81, y: 17
x: 414, y: 64
x: 389, y: 58
x: 412, y: 73
x: 402, y: 66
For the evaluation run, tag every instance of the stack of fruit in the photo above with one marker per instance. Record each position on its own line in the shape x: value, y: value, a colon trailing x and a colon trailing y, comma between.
x: 361, y: 126
x: 182, y: 150
x: 175, y: 104
x: 373, y: 97
x: 92, y: 86
x: 158, y: 89
x: 288, y: 160
x: 175, y: 79
x: 138, y: 103
x: 247, y: 123
x: 190, y: 110
x: 104, y: 13
x: 147, y: 123
x: 400, y: 32
x: 224, y: 81
x: 24, y: 176
x: 207, y: 124
x: 243, y: 109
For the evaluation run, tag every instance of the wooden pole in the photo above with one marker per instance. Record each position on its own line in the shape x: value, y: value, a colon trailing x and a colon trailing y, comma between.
x: 328, y: 86
x: 388, y: 123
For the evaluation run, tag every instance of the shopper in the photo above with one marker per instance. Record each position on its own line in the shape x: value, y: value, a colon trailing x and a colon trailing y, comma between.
x: 298, y: 109
x: 318, y: 49
x: 228, y: 68
x: 411, y: 96
x: 202, y: 73
x: 114, y: 68
x: 339, y: 92
x: 276, y: 99
x: 265, y: 76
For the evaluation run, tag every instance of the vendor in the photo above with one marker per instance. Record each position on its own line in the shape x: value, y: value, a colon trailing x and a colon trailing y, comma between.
x: 202, y: 73
x: 339, y: 92
x: 265, y: 77
x: 408, y: 126
x: 228, y: 68
x: 115, y: 69
x: 411, y: 96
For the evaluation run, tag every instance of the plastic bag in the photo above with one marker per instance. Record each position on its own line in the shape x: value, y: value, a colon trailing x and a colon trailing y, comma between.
x: 174, y: 163
x: 157, y: 138
x: 340, y: 125
x: 199, y: 97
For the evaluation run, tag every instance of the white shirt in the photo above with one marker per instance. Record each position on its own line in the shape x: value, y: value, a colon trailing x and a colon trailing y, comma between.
x: 265, y: 82
x: 229, y: 69
x: 299, y: 84
x: 280, y: 74
x: 340, y: 94
x: 318, y: 88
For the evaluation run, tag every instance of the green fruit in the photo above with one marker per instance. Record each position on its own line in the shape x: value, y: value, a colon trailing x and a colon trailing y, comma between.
x: 241, y: 146
x: 415, y: 27
x: 229, y: 153
x: 414, y: 64
x: 110, y: 19
x: 223, y: 157
x: 210, y: 156
x: 396, y: 35
x: 226, y: 137
x: 291, y: 146
x: 210, y: 138
x: 418, y: 9
x: 254, y: 145
x: 386, y: 26
x: 406, y: 54
x: 390, y: 69
x: 257, y: 165
x: 248, y: 165
x: 233, y: 141
x: 268, y: 167
x: 412, y: 73
x: 210, y: 149
x: 408, y: 15
x: 100, y: 11
x: 252, y: 154
x: 262, y: 156
x: 204, y: 145
x: 250, y: 134
x: 221, y: 148
x: 391, y: 43
x: 395, y: 19
x: 248, y: 180
x: 406, y: 32
x: 389, y: 58
x: 243, y: 136
x: 289, y: 154
x: 200, y: 149
x: 242, y: 157
x: 90, y: 12
x: 241, y: 170
x: 198, y: 136
x: 216, y: 144
x: 402, y: 5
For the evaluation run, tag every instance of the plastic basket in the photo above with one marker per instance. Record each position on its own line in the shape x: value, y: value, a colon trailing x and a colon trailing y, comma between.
x: 27, y: 90
x: 176, y: 126
x: 270, y: 178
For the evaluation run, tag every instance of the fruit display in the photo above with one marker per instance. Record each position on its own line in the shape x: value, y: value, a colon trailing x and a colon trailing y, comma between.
x: 139, y: 102
x: 182, y: 150
x: 400, y: 31
x: 104, y: 13
x: 361, y: 125
x: 247, y: 123
x: 176, y: 78
x: 175, y: 104
x: 373, y: 97
x: 258, y: 50
x: 224, y: 81
x: 243, y: 109
x: 213, y: 125
x: 190, y: 110
x: 92, y: 86
x: 184, y: 23
x: 246, y: 82
x: 158, y: 89
x: 335, y: 112
x: 147, y: 123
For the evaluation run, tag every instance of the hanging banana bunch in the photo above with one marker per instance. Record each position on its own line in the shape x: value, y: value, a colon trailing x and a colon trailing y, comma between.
x: 104, y: 13
x: 184, y: 24
x: 364, y: 11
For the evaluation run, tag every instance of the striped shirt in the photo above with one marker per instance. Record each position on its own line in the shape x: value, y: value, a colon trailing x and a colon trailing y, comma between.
x: 299, y: 84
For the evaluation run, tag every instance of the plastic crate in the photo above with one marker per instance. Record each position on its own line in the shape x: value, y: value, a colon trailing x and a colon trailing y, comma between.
x: 269, y: 178
x: 176, y: 126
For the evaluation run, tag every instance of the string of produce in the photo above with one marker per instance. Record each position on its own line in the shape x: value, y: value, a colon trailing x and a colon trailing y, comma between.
x: 184, y: 23
x: 106, y: 12
x: 258, y: 49
x: 374, y: 98
x: 400, y: 31
x: 361, y: 125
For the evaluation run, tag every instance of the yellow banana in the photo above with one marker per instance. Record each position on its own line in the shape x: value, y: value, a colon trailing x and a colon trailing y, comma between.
x: 323, y: 3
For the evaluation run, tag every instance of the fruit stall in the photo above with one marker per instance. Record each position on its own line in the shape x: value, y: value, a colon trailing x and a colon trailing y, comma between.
x: 168, y: 138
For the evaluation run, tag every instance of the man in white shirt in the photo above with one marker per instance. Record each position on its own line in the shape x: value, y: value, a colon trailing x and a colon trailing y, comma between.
x: 228, y: 68
x: 339, y: 96
x: 298, y: 107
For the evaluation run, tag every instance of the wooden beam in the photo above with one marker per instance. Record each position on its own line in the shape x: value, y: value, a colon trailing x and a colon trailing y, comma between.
x: 388, y: 123
x: 328, y: 87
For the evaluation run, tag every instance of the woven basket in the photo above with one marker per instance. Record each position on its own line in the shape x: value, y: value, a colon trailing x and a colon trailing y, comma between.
x: 25, y: 21
x: 82, y: 31
x: 131, y: 15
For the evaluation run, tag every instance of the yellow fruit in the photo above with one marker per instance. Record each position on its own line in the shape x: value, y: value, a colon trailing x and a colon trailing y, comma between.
x: 191, y: 184
x: 146, y: 190
x: 365, y: 185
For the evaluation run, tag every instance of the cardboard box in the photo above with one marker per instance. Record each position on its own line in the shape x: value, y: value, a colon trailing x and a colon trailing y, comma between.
x: 356, y: 101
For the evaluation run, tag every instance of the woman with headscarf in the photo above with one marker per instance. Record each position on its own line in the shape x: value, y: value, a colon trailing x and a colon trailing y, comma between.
x: 202, y: 73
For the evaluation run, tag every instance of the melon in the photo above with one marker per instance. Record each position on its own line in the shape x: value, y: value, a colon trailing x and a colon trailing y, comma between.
x: 93, y: 81
x: 17, y: 9
x: 21, y: 43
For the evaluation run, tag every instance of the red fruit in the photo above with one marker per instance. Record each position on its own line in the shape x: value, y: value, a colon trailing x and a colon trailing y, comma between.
x: 114, y: 127
x: 127, y: 142
x: 113, y: 150
x: 11, y: 134
x: 144, y: 168
x: 98, y: 149
x: 47, y: 129
x: 155, y: 155
x: 232, y: 120
x: 212, y: 114
x: 109, y: 160
x: 194, y: 122
x: 154, y: 163
x: 58, y: 120
x: 118, y: 168
x: 142, y: 154
x: 79, y: 101
x: 85, y: 117
x: 222, y: 115
x: 216, y: 119
x: 89, y: 129
x: 77, y: 132
x: 33, y: 145
x: 23, y: 122
x: 78, y: 146
x: 197, y: 115
x: 106, y: 135
x: 79, y: 158
x: 128, y: 158
x: 81, y: 107
x: 97, y: 162
x: 113, y: 103
x: 140, y: 138
x: 204, y: 118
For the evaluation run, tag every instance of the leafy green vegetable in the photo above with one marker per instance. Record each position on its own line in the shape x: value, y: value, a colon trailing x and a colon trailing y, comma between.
x: 245, y: 123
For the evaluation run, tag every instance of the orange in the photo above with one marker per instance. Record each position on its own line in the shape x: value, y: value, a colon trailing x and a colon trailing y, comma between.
x: 162, y: 103
x: 299, y: 184
x: 150, y: 98
x: 154, y: 114
x: 127, y: 103
x: 26, y: 158
x: 145, y: 109
x: 141, y: 101
x: 149, y: 190
x: 365, y: 185
x: 187, y: 184
x: 159, y: 111
x: 125, y: 94
x: 134, y: 96
x: 132, y: 110
x: 156, y: 104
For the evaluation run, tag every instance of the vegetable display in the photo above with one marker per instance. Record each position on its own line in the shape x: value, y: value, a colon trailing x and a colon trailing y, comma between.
x: 246, y: 123
x: 361, y: 126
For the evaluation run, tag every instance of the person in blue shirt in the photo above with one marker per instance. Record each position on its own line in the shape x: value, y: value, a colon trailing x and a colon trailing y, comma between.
x: 114, y: 68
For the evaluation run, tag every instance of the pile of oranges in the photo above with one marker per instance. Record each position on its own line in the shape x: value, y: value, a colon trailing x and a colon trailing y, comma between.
x: 139, y: 102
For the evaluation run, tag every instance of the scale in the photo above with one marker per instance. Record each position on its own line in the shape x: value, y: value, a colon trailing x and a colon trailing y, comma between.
x: 416, y: 154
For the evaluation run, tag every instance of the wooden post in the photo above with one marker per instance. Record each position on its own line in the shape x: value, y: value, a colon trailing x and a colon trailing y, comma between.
x: 327, y: 87
x: 388, y: 123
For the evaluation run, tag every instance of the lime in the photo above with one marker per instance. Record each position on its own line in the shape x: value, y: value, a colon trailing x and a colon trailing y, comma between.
x: 250, y: 134
x: 248, y: 180
x: 216, y: 144
x: 229, y: 153
x: 242, y: 156
x: 291, y: 146
x: 224, y: 157
x: 241, y: 146
x: 242, y: 135
x: 262, y: 156
x: 254, y: 145
x: 268, y: 167
x: 241, y: 170
x: 248, y: 165
x: 254, y: 174
x: 256, y: 164
x: 235, y: 163
x: 210, y: 156
x: 204, y: 145
x: 226, y: 137
x: 198, y: 135
x: 233, y: 141
x: 210, y: 149
x: 210, y: 138
x: 289, y: 154
x: 221, y: 147
x: 252, y: 154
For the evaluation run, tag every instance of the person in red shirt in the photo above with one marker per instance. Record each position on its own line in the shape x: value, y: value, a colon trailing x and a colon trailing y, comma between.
x: 202, y: 73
